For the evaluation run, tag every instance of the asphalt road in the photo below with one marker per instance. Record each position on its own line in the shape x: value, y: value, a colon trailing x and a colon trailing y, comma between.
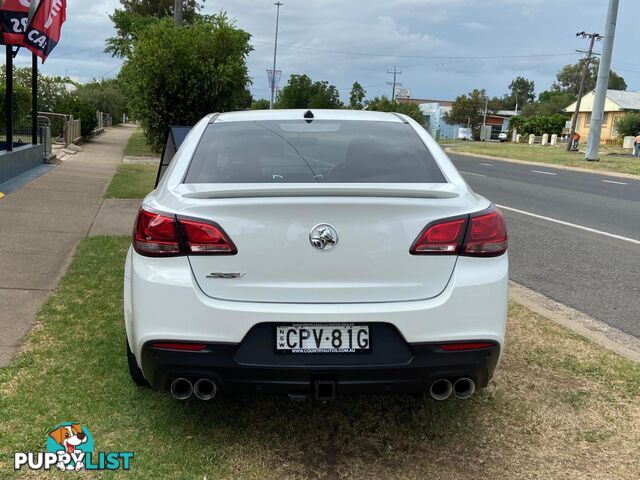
x: 574, y: 236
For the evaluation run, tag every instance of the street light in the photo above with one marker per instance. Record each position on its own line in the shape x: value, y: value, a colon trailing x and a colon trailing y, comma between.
x: 275, y: 56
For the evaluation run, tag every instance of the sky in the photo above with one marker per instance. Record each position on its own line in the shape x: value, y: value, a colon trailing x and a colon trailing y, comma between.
x: 343, y: 41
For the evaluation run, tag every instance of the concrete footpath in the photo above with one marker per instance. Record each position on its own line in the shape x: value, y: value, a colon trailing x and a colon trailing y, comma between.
x: 41, y: 224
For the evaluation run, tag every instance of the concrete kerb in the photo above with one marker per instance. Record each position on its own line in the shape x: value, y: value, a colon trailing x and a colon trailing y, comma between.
x: 580, y: 323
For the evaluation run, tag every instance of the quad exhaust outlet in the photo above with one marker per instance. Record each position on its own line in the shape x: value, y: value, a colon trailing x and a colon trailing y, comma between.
x: 463, y: 388
x: 441, y: 389
x: 203, y: 389
x: 181, y: 388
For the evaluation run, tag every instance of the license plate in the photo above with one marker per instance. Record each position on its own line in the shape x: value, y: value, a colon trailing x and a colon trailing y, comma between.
x: 322, y: 338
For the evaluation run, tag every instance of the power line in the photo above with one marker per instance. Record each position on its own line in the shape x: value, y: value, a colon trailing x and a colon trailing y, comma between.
x: 424, y: 57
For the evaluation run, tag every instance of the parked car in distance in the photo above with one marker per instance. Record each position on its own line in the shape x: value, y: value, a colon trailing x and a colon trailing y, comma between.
x: 315, y: 253
x: 503, y: 136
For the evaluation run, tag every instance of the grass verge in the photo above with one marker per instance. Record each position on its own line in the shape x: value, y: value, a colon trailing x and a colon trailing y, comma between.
x: 132, y: 181
x: 559, y: 407
x: 552, y: 155
x: 137, y: 146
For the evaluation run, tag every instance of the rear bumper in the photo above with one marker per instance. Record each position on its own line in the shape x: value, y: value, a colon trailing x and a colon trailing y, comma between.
x: 253, y: 366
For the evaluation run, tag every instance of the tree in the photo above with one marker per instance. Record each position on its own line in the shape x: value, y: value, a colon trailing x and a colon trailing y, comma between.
x: 50, y: 88
x: 468, y: 110
x: 522, y: 91
x: 568, y: 78
x: 549, y: 102
x: 175, y: 76
x: 137, y: 15
x: 383, y: 104
x: 105, y: 96
x: 302, y: 92
x: 356, y: 97
x: 21, y: 106
x: 260, y: 104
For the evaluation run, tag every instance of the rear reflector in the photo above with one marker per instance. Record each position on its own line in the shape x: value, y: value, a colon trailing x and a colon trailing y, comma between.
x: 443, y: 237
x: 456, y: 347
x: 187, y: 347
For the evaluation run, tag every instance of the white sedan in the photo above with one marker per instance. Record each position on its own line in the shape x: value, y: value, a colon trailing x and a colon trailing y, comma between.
x: 315, y: 253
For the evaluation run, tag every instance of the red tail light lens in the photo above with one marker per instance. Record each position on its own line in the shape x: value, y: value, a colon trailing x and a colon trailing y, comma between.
x: 205, y: 238
x: 155, y: 235
x: 486, y: 235
x: 482, y: 234
x: 441, y: 238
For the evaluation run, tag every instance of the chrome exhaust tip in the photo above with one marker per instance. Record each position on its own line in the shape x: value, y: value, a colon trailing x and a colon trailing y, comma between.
x: 181, y: 388
x: 441, y: 389
x: 205, y: 389
x: 463, y: 388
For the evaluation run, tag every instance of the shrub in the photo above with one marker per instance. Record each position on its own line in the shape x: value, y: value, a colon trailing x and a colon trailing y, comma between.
x: 628, y: 125
x: 73, y: 104
x: 539, y: 124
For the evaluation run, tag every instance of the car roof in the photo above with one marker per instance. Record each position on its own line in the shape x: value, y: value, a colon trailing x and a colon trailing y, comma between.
x: 318, y: 114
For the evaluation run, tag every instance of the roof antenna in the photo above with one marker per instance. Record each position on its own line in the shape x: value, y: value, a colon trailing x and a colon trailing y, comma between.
x: 309, y: 116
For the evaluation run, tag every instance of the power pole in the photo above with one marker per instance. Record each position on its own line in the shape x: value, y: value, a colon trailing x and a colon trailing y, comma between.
x: 177, y: 12
x: 597, y: 114
x: 583, y: 78
x: 275, y: 56
x: 395, y: 83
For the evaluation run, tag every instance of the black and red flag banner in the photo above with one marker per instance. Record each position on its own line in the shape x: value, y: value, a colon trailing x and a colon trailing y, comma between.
x: 14, y: 16
x: 43, y: 33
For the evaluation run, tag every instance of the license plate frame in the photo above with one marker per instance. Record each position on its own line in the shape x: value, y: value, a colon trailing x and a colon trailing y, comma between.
x: 320, y: 338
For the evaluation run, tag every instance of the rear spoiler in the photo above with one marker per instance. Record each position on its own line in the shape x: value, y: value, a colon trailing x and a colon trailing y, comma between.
x: 253, y: 190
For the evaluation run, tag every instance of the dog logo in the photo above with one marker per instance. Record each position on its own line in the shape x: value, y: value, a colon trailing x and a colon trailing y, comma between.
x: 323, y: 237
x: 71, y: 439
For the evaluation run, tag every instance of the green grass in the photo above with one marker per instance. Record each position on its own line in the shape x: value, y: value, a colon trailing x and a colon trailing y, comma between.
x: 137, y: 146
x: 73, y: 368
x: 132, y: 181
x: 553, y: 155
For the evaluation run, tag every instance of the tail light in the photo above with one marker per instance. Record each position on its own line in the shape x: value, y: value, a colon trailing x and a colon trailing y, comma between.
x: 157, y: 235
x: 482, y: 234
x: 486, y: 235
x: 441, y: 238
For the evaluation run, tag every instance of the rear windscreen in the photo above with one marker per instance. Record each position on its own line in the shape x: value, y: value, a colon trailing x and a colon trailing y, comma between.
x: 320, y: 151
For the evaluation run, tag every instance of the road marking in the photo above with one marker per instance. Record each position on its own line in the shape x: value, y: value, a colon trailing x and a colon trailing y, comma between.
x: 543, y: 172
x: 487, y: 164
x: 471, y: 173
x: 573, y: 225
x: 617, y: 183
